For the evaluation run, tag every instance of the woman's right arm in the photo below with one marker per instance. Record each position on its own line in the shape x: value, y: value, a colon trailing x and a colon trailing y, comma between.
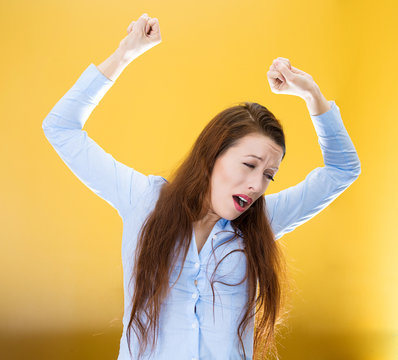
x: 118, y: 184
x: 113, y: 181
x: 113, y: 66
x: 143, y: 34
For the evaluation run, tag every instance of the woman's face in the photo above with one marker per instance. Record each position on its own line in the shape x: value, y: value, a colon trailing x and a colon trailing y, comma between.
x: 240, y: 171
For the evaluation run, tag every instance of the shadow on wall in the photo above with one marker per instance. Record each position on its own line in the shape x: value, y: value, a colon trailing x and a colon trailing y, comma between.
x: 293, y: 346
x: 63, y: 346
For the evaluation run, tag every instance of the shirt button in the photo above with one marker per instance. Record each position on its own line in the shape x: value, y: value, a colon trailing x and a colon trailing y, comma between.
x: 194, y: 325
x: 196, y: 265
x: 196, y: 282
x: 194, y: 296
x: 214, y: 237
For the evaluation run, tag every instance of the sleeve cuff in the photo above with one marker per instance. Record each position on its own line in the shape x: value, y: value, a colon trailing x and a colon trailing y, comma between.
x: 330, y: 122
x: 93, y: 83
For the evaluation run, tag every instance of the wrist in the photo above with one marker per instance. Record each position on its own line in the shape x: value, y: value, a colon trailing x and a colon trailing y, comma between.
x: 312, y: 93
x: 316, y: 103
x: 121, y: 56
x: 113, y: 66
x: 125, y: 56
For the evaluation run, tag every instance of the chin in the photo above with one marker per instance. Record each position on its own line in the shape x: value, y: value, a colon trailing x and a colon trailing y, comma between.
x: 232, y: 217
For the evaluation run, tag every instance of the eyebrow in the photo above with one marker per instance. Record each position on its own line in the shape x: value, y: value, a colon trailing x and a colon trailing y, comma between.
x: 257, y: 157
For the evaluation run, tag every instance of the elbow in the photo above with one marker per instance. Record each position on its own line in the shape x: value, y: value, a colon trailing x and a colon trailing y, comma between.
x: 49, y: 125
x: 356, y: 171
x: 44, y: 124
x: 48, y: 128
x: 354, y: 168
x: 344, y: 176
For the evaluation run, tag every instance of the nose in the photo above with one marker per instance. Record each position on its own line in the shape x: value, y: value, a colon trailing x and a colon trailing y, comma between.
x: 256, y: 183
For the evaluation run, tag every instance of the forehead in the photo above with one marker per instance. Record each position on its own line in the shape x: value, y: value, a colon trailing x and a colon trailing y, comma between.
x: 257, y: 144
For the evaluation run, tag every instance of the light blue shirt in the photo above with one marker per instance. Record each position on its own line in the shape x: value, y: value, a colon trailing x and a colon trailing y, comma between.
x: 188, y: 329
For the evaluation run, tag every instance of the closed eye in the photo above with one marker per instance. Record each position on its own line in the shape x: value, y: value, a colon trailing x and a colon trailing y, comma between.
x: 267, y: 175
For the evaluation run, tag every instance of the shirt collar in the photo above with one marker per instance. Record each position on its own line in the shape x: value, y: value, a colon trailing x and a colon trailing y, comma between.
x: 222, y: 223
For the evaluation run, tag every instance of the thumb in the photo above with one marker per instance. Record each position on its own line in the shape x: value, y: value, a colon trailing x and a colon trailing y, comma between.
x: 142, y: 21
x: 154, y: 23
x: 285, y: 71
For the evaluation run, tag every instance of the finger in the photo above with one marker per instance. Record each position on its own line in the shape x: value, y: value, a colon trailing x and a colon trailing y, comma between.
x: 298, y: 71
x: 280, y: 60
x: 154, y: 22
x: 272, y: 67
x: 274, y: 75
x: 142, y: 20
x: 130, y: 27
x: 286, y: 61
x: 284, y: 69
x: 147, y: 27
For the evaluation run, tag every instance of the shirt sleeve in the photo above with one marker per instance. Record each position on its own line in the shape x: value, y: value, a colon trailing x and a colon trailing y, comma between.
x: 116, y: 183
x: 297, y: 204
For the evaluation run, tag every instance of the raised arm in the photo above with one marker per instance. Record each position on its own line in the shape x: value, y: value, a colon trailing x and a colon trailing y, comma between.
x: 113, y: 181
x: 297, y: 204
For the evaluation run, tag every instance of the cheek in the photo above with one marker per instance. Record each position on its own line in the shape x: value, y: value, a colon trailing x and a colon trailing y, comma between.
x: 226, y: 176
x: 221, y: 182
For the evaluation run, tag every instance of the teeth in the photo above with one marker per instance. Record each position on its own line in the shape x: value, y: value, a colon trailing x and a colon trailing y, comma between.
x: 241, y: 201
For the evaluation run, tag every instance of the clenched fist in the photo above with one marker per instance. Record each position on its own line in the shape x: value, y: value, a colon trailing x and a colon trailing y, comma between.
x: 143, y: 34
x: 286, y: 79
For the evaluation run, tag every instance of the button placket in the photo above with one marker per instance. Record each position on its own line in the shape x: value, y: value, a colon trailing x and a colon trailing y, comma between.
x: 195, y: 281
x: 195, y: 295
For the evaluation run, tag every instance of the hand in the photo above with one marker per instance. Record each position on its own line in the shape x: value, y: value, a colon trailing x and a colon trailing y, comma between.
x: 286, y: 79
x: 143, y: 34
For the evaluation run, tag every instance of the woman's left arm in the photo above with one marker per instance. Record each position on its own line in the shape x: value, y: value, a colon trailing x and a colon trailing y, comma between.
x: 297, y: 204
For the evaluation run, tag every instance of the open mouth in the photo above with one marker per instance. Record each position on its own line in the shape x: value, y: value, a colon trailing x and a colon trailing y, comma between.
x: 240, y: 203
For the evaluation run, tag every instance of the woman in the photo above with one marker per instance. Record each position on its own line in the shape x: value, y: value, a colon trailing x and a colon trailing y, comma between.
x: 196, y: 247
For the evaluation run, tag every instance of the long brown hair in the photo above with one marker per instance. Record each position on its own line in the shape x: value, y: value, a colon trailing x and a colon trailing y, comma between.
x: 185, y: 199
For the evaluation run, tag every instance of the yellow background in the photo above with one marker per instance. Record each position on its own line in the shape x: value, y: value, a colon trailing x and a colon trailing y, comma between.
x: 60, y: 250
